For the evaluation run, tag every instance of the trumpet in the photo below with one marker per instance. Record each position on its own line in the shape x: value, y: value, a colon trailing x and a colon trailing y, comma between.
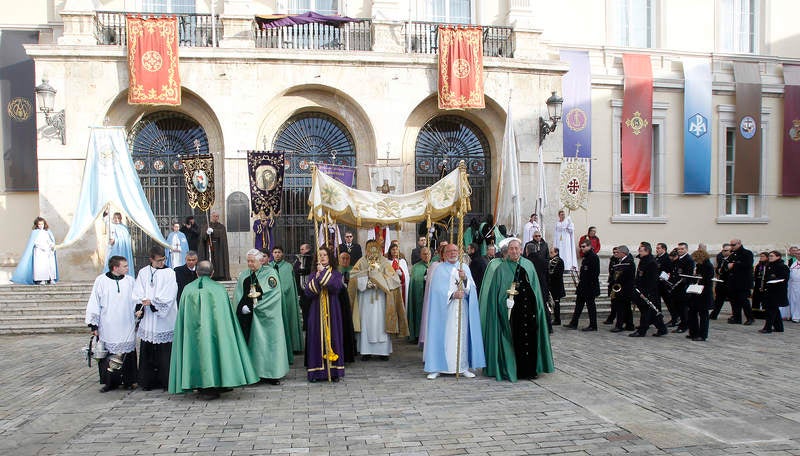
x: 616, y: 288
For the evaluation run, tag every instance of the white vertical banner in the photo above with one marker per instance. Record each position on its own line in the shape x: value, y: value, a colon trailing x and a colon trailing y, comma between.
x: 508, y: 211
x: 386, y: 178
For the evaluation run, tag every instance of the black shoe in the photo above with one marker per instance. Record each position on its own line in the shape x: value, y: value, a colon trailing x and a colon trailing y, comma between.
x: 589, y: 328
x: 107, y: 388
x: 712, y: 317
x: 570, y: 326
x: 556, y: 322
x: 765, y: 331
x: 734, y: 321
x: 608, y: 321
x: 147, y: 388
x: 383, y: 358
x: 689, y: 336
x: 698, y: 339
x: 616, y: 329
x: 630, y: 328
x: 224, y: 390
x: 672, y: 324
x: 366, y: 357
x: 749, y: 322
x: 679, y: 331
x: 271, y: 381
x: 335, y: 379
x: 636, y: 334
x: 660, y: 333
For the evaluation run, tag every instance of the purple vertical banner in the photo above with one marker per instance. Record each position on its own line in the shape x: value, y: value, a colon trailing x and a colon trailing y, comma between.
x: 343, y: 174
x: 791, y: 130
x: 577, y: 108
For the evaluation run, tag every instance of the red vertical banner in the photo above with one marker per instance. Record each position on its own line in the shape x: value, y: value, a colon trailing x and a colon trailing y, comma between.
x: 460, y: 68
x: 153, y: 61
x: 637, y: 128
x: 791, y: 130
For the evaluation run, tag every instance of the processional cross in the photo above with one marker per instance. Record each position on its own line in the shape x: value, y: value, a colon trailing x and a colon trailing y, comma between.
x: 385, y: 188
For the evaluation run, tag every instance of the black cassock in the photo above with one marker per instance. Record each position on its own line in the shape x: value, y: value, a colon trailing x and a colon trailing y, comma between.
x: 524, y: 326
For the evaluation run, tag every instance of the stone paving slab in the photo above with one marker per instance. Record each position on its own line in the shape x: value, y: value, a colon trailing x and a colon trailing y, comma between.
x: 611, y: 395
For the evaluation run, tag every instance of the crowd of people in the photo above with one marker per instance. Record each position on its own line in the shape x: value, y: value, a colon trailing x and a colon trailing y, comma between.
x: 493, y: 307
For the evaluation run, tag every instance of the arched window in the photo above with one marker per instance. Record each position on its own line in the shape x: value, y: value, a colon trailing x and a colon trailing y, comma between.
x: 455, y: 138
x: 156, y: 143
x: 306, y: 137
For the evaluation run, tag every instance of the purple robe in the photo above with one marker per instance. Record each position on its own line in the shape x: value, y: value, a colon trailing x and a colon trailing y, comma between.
x: 263, y: 232
x: 331, y: 281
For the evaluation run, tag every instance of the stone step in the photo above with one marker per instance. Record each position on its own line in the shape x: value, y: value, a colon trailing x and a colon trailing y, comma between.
x: 43, y: 328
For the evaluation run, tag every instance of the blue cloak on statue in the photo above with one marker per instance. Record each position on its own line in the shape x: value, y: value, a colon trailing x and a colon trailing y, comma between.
x: 122, y: 246
x: 24, y: 272
x: 181, y: 239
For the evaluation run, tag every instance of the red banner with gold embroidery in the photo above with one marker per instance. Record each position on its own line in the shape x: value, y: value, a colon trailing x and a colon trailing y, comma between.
x: 637, y: 123
x: 460, y: 67
x: 153, y: 61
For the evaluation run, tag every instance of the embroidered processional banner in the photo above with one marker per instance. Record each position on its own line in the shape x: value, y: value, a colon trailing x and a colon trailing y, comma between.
x: 331, y: 200
x: 153, y: 61
x: 574, y: 183
x: 577, y: 86
x: 460, y: 67
x: 386, y: 178
x: 266, y: 180
x: 344, y: 174
x: 198, y: 170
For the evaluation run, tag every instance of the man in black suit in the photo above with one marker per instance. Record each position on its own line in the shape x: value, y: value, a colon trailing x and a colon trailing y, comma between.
x: 422, y: 241
x: 185, y: 274
x: 477, y: 264
x: 740, y: 266
x: 623, y: 275
x: 665, y: 265
x: 646, y: 289
x: 588, y: 288
x: 192, y: 232
x: 351, y: 247
x: 721, y: 287
x: 680, y: 299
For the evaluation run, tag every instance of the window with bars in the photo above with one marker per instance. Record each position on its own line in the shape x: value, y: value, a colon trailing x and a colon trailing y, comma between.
x: 634, y: 23
x: 734, y: 204
x: 738, y: 26
x: 450, y: 11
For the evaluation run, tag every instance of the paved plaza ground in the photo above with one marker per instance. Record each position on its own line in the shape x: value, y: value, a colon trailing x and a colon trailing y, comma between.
x: 738, y: 393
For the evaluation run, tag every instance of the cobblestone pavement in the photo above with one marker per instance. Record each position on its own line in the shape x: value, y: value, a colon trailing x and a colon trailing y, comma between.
x: 735, y: 394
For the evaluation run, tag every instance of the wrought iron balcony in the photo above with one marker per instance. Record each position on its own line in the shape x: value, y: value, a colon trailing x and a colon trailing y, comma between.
x: 350, y: 36
x: 194, y: 30
x: 423, y: 38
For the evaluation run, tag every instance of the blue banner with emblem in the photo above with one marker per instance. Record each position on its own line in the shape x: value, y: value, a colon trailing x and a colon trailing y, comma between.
x: 697, y: 126
x: 577, y: 108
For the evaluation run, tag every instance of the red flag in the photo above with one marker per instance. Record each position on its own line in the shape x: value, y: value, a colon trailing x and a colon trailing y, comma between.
x: 153, y: 61
x: 637, y: 128
x: 460, y: 68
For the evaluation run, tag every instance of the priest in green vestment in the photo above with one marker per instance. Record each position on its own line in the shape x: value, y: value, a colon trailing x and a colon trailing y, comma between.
x: 208, y: 349
x: 416, y: 293
x: 262, y: 320
x: 514, y: 325
x: 290, y: 303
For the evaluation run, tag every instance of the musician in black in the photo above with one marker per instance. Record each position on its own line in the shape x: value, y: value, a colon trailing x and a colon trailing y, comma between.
x: 683, y: 266
x: 775, y: 292
x: 645, y: 294
x: 537, y: 252
x: 588, y: 288
x: 555, y: 271
x: 611, y: 262
x: 723, y: 276
x: 622, y: 290
x: 759, y: 279
x: 699, y: 303
x: 302, y: 269
x: 665, y: 265
x: 740, y: 266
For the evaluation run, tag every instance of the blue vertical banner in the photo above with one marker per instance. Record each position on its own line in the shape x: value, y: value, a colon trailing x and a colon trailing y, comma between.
x: 697, y: 126
x: 577, y: 108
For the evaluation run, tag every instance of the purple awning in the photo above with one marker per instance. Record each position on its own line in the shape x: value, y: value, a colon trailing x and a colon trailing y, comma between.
x: 284, y: 20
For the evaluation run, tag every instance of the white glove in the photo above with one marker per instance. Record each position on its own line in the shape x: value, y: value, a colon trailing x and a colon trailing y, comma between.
x: 245, y: 310
x: 209, y: 231
x: 510, y: 303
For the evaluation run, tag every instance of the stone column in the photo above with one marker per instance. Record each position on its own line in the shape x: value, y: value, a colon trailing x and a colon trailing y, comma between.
x: 79, y: 23
x: 388, y: 36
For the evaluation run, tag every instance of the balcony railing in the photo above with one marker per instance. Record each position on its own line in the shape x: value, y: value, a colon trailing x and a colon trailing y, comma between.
x: 423, y: 38
x: 194, y: 30
x: 350, y: 36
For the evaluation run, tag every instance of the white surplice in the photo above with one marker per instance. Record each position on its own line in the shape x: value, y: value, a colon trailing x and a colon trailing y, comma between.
x: 794, y: 293
x: 161, y: 288
x: 44, y: 258
x: 564, y: 239
x: 112, y: 308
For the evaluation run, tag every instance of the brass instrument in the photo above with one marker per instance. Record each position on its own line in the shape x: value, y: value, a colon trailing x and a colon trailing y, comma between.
x: 616, y: 288
x: 551, y: 265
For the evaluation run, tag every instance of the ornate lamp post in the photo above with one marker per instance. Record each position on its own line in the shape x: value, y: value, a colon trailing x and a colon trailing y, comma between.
x: 546, y: 127
x: 45, y: 94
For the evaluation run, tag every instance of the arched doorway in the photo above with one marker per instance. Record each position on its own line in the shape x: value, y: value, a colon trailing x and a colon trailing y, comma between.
x: 307, y: 137
x: 454, y: 138
x: 157, y: 141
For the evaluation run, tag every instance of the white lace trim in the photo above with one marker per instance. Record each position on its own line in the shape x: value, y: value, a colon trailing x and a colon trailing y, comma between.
x: 121, y: 347
x: 155, y: 337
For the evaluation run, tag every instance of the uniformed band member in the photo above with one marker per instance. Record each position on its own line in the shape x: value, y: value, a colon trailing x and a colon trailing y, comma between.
x: 683, y: 266
x: 723, y: 276
x: 622, y: 290
x: 555, y: 269
x: 740, y: 265
x: 646, y: 293
x: 588, y: 288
